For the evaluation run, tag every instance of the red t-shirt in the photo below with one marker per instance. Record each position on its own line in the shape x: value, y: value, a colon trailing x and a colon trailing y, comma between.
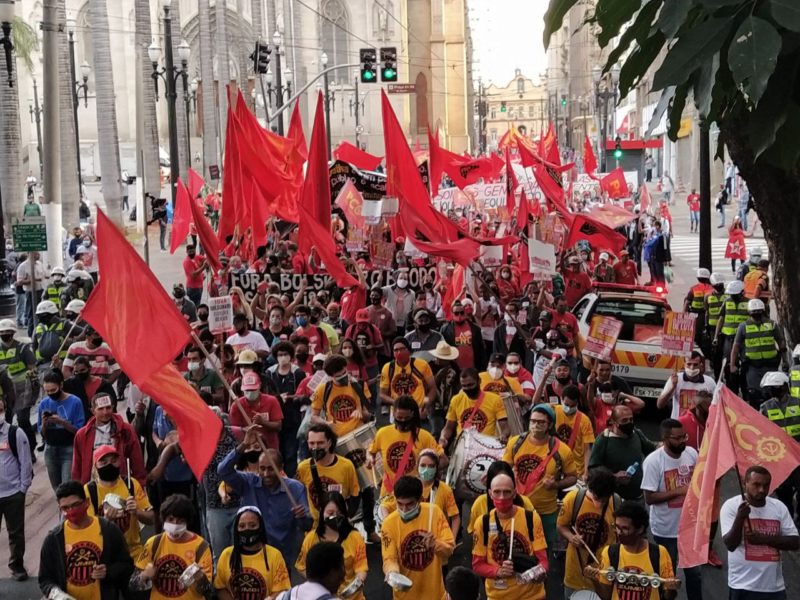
x: 601, y: 412
x: 352, y: 300
x: 317, y: 340
x: 694, y: 429
x: 190, y: 265
x: 299, y: 263
x: 694, y: 202
x: 566, y: 323
x: 577, y: 285
x: 267, y: 404
x: 625, y: 272
x: 463, y: 335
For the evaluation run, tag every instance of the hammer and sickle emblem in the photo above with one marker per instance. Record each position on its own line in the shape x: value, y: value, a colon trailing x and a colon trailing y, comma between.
x: 770, y: 449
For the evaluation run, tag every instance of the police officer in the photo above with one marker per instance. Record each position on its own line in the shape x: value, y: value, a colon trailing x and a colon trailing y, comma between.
x: 733, y: 313
x: 74, y: 290
x: 695, y: 302
x: 760, y: 347
x: 19, y: 364
x: 713, y: 307
x: 49, y: 337
x: 53, y: 291
x: 72, y: 311
x: 794, y: 373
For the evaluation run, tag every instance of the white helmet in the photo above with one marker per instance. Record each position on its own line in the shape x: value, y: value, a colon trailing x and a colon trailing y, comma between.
x: 703, y: 273
x: 717, y: 279
x: 7, y: 325
x: 756, y: 254
x: 57, y: 271
x: 46, y: 307
x: 73, y: 276
x: 796, y: 351
x: 75, y: 306
x: 734, y: 287
x: 774, y: 379
x: 754, y: 305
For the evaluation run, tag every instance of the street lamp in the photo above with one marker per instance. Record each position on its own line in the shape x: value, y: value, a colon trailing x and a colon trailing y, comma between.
x: 36, y: 113
x: 77, y: 87
x: 602, y: 96
x: 6, y: 18
x: 355, y: 103
x: 329, y: 98
x: 278, y: 92
x: 169, y: 74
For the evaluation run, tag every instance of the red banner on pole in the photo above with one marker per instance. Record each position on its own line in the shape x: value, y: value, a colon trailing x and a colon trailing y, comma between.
x: 677, y: 337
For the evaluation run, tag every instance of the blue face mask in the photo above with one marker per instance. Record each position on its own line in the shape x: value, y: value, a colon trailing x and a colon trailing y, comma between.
x: 427, y: 473
x: 301, y: 321
x: 410, y: 515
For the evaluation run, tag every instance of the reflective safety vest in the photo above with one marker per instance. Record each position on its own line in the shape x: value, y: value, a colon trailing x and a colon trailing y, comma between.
x: 714, y: 308
x: 699, y: 292
x: 759, y: 341
x: 788, y: 419
x: 12, y: 360
x: 735, y: 314
x: 751, y: 281
x: 53, y: 293
x: 57, y: 331
x: 794, y: 381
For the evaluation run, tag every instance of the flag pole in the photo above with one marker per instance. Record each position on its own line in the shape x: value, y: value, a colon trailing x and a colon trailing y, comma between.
x: 246, y: 417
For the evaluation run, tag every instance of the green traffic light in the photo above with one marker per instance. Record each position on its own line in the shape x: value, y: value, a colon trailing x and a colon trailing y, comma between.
x: 388, y: 73
x: 617, y: 154
x: 368, y: 75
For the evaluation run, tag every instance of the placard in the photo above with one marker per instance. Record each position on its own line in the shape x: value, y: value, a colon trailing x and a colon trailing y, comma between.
x: 602, y: 337
x: 541, y: 257
x: 677, y: 337
x: 491, y: 256
x: 220, y: 314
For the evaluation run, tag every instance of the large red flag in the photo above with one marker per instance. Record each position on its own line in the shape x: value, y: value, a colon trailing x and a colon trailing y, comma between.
x: 435, y: 168
x: 584, y: 227
x: 589, y: 160
x: 737, y: 436
x: 612, y: 215
x: 296, y: 132
x: 522, y: 214
x: 511, y: 183
x: 644, y: 198
x: 348, y: 153
x: 552, y: 189
x: 196, y: 183
x: 145, y: 331
x: 454, y: 291
x: 614, y: 183
x: 231, y: 183
x: 181, y: 220
x: 203, y: 228
x: 548, y: 146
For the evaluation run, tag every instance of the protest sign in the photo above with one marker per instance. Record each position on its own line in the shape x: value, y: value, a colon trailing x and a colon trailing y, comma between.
x: 220, y: 314
x: 541, y: 257
x: 677, y: 337
x: 602, y: 337
x: 491, y: 256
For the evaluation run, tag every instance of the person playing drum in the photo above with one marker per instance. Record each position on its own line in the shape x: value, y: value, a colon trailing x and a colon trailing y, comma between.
x: 473, y: 408
x: 483, y: 503
x: 407, y: 376
x: 344, y: 401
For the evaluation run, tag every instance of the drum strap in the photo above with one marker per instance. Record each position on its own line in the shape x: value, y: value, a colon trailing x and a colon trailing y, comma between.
x: 475, y: 409
x: 401, y: 468
x: 317, y: 483
x: 538, y: 473
x: 575, y: 426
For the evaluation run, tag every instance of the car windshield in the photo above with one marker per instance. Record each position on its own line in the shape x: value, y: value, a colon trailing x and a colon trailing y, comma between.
x: 641, y: 321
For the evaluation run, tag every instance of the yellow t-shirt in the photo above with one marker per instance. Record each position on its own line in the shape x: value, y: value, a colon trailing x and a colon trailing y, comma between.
x: 495, y: 552
x: 596, y: 529
x: 128, y: 523
x: 504, y: 385
x: 340, y: 476
x: 355, y: 557
x: 636, y: 563
x: 443, y: 498
x: 527, y: 458
x: 482, y: 503
x: 585, y: 435
x: 486, y: 417
x: 83, y: 548
x: 170, y: 562
x: 406, y: 382
x: 404, y: 551
x: 342, y: 401
x: 256, y: 579
x: 391, y: 445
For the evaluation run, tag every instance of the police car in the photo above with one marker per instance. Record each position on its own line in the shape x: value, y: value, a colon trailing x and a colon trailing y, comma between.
x: 637, y: 356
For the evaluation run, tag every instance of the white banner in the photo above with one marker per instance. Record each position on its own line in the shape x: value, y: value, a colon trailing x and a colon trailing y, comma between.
x: 220, y: 314
x: 541, y: 257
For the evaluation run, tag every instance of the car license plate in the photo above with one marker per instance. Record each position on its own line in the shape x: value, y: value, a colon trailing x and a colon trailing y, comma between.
x: 646, y: 392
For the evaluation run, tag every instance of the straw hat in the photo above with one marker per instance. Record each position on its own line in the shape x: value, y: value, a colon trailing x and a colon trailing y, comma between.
x: 444, y: 351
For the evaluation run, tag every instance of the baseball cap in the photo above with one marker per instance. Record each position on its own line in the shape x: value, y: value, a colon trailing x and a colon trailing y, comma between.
x: 318, y: 357
x: 102, y: 451
x: 247, y: 357
x: 604, y: 256
x: 251, y: 381
x: 362, y: 315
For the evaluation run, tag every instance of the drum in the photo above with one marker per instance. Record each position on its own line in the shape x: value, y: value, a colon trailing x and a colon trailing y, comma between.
x: 472, y: 455
x: 354, y: 446
x: 514, y: 414
x: 584, y: 595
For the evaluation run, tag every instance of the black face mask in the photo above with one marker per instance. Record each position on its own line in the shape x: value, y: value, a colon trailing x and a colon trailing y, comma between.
x: 406, y: 425
x: 341, y: 380
x: 472, y: 392
x: 627, y: 428
x: 252, y: 456
x: 336, y: 523
x: 44, y: 319
x: 375, y: 301
x: 7, y: 338
x: 108, y: 472
x: 83, y: 376
x: 251, y: 537
x: 178, y: 294
x: 563, y: 380
x: 203, y: 316
x: 318, y: 453
x: 424, y: 327
x: 678, y: 449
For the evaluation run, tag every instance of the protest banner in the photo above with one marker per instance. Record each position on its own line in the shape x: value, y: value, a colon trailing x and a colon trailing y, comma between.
x: 677, y: 336
x: 541, y: 257
x: 382, y: 254
x: 220, y: 314
x: 602, y: 337
x: 491, y: 256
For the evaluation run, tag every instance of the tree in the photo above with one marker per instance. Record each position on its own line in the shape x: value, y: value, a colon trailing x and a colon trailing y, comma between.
x: 70, y: 190
x: 223, y: 67
x: 210, y: 127
x: 12, y: 180
x: 184, y: 160
x: 738, y: 59
x: 149, y: 128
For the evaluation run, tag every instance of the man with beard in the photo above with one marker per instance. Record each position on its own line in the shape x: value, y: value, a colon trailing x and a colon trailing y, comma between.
x: 406, y: 375
x: 422, y: 337
x: 474, y: 408
x: 667, y: 474
x: 466, y: 336
x: 682, y: 388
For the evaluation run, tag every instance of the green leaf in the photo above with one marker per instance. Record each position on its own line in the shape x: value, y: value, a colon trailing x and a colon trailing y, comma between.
x: 771, y: 113
x: 690, y: 51
x: 554, y: 17
x: 672, y: 16
x: 611, y: 15
x: 786, y: 13
x: 639, y: 61
x: 638, y: 31
x: 676, y: 110
x: 704, y: 83
x: 753, y: 54
x: 661, y: 108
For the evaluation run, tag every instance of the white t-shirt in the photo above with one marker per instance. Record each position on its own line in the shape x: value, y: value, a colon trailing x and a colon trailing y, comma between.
x: 751, y: 567
x: 684, y: 393
x: 662, y: 473
x: 251, y: 341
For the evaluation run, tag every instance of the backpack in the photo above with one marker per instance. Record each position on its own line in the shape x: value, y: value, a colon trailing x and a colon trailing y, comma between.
x: 556, y: 455
x: 359, y: 390
x: 95, y: 498
x: 576, y: 508
x: 655, y: 559
x: 414, y: 371
x: 12, y: 441
x: 528, y: 522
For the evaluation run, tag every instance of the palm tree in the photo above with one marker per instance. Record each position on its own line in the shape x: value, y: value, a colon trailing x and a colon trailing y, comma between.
x: 12, y: 181
x: 70, y: 190
x: 210, y: 155
x: 107, y: 135
x: 223, y: 68
x: 149, y: 141
x: 184, y: 161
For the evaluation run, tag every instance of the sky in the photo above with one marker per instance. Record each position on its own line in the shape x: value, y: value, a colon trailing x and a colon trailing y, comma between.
x: 507, y: 35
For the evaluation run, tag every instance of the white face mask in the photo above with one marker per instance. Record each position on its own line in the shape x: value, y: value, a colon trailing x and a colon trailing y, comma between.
x: 194, y: 365
x: 174, y: 530
x: 252, y: 395
x: 275, y: 320
x: 569, y: 410
x: 607, y: 397
x: 513, y: 369
x: 283, y: 360
x: 495, y: 372
x: 691, y: 372
x: 402, y: 283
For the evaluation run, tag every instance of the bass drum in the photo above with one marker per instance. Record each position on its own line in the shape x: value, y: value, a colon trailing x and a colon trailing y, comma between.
x: 472, y: 454
x: 354, y: 446
x: 584, y: 595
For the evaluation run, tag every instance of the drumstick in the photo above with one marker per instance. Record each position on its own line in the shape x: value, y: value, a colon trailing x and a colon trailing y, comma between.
x: 374, y: 477
x: 585, y: 545
x: 511, y: 541
x: 430, y: 514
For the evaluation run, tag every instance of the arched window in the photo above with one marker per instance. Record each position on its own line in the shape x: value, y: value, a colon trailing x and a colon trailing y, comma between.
x: 333, y: 25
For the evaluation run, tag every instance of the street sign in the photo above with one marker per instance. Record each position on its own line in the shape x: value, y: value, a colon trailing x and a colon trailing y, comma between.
x: 213, y: 171
x: 30, y: 234
x: 401, y: 88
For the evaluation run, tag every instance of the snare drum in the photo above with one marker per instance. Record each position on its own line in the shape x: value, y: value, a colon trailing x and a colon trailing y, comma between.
x: 354, y: 446
x: 472, y: 455
x: 584, y: 595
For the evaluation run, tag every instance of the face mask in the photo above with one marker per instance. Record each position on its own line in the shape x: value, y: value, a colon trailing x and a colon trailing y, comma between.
x: 178, y: 294
x: 691, y: 372
x: 252, y: 456
x: 409, y: 515
x: 347, y: 352
x: 679, y: 448
x: 563, y: 380
x: 402, y: 356
x: 402, y: 283
x: 513, y: 369
x: 341, y: 380
x: 607, y: 397
x: 275, y: 321
x: 626, y: 428
x: 301, y: 321
x: 7, y: 338
x: 284, y: 360
x: 77, y: 514
x: 174, y: 530
x: 335, y: 522
x: 203, y: 316
x: 318, y: 453
x: 55, y: 395
x: 405, y: 425
x: 569, y: 410
x: 86, y: 243
x: 250, y: 537
x: 472, y: 392
x: 194, y: 365
x: 424, y: 326
x: 503, y: 504
x: 44, y: 319
x: 252, y: 395
x: 108, y: 472
x: 375, y: 301
x: 495, y: 372
x: 427, y: 473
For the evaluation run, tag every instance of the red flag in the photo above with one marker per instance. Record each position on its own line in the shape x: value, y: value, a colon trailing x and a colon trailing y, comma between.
x: 511, y: 184
x: 614, y: 183
x: 644, y: 198
x: 231, y: 184
x: 611, y: 215
x: 466, y: 171
x: 511, y: 139
x: 737, y: 436
x: 204, y: 231
x: 435, y: 168
x: 454, y: 290
x: 548, y: 147
x: 736, y: 248
x: 522, y: 214
x: 552, y: 190
x: 181, y: 220
x: 296, y: 133
x: 529, y: 158
x: 196, y: 183
x: 584, y: 227
x: 348, y: 153
x: 589, y: 160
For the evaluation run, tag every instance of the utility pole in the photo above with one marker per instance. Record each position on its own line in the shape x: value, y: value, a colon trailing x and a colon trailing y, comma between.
x: 358, y: 101
x: 705, y: 197
x: 51, y: 203
x: 36, y: 112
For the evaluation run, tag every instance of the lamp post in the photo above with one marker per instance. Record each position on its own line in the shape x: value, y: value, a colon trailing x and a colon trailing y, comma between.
x: 170, y: 73
x: 355, y: 103
x: 36, y: 112
x: 6, y: 18
x: 7, y: 297
x: 77, y: 86
x: 601, y: 98
x: 279, y: 90
x: 189, y: 100
x: 330, y: 99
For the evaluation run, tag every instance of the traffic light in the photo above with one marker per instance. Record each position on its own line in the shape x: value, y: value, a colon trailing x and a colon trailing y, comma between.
x: 564, y: 100
x: 617, y: 148
x: 260, y: 57
x: 368, y: 72
x: 503, y: 106
x: 389, y: 64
